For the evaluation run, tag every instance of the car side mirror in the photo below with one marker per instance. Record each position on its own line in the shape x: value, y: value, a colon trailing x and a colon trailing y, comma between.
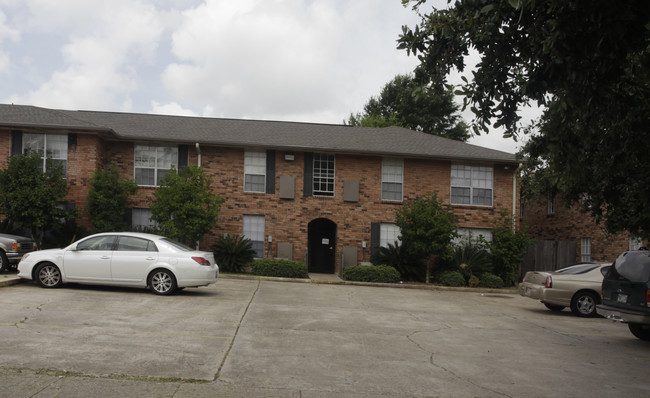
x: 73, y: 248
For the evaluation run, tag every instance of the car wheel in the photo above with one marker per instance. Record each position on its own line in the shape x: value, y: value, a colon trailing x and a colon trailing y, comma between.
x: 4, y: 262
x: 584, y: 304
x: 162, y: 282
x: 554, y: 307
x: 640, y: 331
x: 48, y: 275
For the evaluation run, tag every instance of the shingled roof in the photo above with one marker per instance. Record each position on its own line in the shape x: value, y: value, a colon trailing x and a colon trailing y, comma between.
x: 388, y: 141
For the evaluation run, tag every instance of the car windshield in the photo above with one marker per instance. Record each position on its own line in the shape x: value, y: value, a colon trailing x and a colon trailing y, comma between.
x: 578, y: 269
x: 634, y: 266
x: 177, y: 245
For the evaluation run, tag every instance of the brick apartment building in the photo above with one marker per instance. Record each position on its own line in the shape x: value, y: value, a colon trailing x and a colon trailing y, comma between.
x: 323, y: 194
x: 568, y: 236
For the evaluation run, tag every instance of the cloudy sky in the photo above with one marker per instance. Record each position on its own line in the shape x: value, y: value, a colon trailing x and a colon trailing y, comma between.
x: 294, y: 60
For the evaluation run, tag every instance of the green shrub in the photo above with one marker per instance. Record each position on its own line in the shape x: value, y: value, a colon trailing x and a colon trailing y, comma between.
x: 233, y: 252
x: 398, y: 257
x: 279, y: 268
x: 490, y: 281
x: 473, y: 281
x: 371, y: 273
x: 452, y: 278
x: 472, y: 258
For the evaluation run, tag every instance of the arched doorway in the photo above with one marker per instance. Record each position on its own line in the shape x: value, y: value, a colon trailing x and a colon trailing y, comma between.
x: 322, y: 246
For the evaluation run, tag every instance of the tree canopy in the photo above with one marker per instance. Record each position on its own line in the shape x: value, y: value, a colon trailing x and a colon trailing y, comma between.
x: 33, y: 199
x: 185, y: 208
x: 108, y: 198
x: 405, y: 102
x: 585, y: 62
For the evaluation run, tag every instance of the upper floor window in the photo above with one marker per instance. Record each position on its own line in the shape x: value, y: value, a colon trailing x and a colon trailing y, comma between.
x: 153, y: 162
x: 471, y: 185
x: 323, y: 179
x: 392, y: 179
x: 254, y: 171
x: 50, y: 146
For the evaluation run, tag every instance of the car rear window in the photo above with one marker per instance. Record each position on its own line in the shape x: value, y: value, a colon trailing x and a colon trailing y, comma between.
x: 578, y: 269
x: 634, y: 266
x: 177, y: 245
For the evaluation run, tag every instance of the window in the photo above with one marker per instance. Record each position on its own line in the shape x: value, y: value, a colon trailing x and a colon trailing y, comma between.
x: 153, y: 162
x: 585, y: 250
x: 103, y: 242
x: 471, y: 185
x: 132, y: 244
x: 254, y: 230
x: 635, y: 243
x: 392, y: 179
x: 550, y: 207
x: 141, y: 219
x: 323, y: 179
x: 389, y: 233
x: 254, y: 171
x: 472, y: 235
x: 50, y: 146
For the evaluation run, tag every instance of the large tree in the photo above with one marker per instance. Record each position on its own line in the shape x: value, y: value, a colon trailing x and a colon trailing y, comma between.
x: 407, y: 103
x: 33, y: 199
x: 185, y: 208
x: 585, y: 62
x: 108, y: 199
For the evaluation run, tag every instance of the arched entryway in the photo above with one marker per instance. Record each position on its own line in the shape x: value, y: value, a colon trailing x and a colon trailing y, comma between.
x: 322, y: 246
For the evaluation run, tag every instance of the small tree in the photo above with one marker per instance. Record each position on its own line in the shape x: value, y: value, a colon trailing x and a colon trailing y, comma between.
x: 427, y: 228
x: 185, y: 208
x: 508, y: 248
x: 31, y: 198
x: 108, y: 199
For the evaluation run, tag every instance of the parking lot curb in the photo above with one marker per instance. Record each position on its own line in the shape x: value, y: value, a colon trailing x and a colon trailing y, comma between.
x: 9, y: 279
x: 422, y: 286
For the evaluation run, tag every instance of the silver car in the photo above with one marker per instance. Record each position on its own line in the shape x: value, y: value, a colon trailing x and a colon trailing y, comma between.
x: 122, y: 259
x: 577, y: 287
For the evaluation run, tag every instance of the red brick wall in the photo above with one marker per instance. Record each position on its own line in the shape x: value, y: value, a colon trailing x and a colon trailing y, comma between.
x: 287, y: 220
x: 570, y: 224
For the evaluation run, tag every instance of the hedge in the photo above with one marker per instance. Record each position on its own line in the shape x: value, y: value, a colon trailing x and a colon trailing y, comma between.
x: 279, y: 268
x: 371, y: 273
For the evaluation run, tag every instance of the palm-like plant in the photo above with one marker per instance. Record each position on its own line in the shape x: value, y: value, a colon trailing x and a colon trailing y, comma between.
x: 233, y: 252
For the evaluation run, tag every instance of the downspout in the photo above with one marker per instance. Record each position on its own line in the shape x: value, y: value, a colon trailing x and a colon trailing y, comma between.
x: 198, y: 163
x: 198, y: 150
x: 514, y: 197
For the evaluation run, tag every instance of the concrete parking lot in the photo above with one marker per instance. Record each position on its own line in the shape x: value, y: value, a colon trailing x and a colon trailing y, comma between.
x: 265, y: 338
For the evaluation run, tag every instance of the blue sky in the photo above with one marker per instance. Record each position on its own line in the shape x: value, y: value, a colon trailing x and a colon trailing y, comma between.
x: 295, y: 60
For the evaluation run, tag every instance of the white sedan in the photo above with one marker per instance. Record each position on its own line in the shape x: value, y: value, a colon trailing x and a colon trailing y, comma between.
x: 122, y: 259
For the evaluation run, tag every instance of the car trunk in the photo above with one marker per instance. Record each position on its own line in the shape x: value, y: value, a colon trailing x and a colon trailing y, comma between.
x: 536, y: 277
x: 624, y: 293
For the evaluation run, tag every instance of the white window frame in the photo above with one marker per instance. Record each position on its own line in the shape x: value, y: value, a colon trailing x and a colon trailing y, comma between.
x: 389, y: 233
x: 550, y: 207
x: 253, y: 229
x: 324, y: 178
x: 156, y: 161
x: 254, y: 166
x: 472, y: 178
x: 51, y: 146
x: 471, y: 235
x: 392, y: 174
x: 141, y: 219
x: 585, y: 250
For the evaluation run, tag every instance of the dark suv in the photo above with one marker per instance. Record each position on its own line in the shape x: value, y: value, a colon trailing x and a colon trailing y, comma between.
x: 626, y: 292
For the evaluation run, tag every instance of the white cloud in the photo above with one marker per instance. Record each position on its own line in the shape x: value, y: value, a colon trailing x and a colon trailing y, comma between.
x: 256, y: 59
x: 6, y: 33
x: 171, y: 108
x: 104, y: 44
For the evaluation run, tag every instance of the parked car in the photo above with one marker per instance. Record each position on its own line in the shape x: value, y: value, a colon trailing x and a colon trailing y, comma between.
x: 12, y: 249
x: 626, y: 292
x: 124, y: 259
x: 577, y: 287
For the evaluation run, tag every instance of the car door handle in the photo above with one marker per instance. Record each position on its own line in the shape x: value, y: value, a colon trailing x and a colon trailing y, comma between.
x: 105, y: 257
x: 150, y: 258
